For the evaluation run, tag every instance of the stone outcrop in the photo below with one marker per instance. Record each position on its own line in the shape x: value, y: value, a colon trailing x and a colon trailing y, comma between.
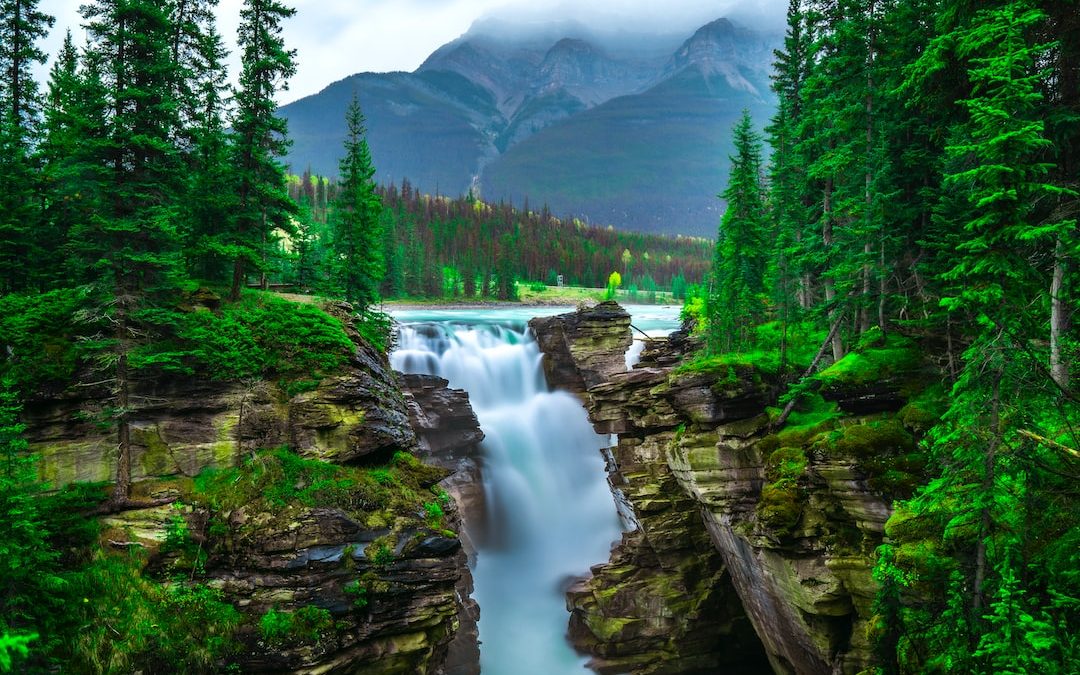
x: 414, y: 574
x: 664, y: 603
x: 792, y: 516
x: 449, y: 436
x: 583, y: 349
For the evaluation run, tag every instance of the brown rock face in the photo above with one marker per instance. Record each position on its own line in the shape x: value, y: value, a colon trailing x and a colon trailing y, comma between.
x: 416, y: 594
x: 184, y: 425
x: 449, y: 436
x: 789, y: 555
x: 584, y: 348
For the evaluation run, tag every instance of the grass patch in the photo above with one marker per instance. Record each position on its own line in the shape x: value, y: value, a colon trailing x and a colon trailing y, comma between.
x: 800, y: 345
x: 304, y: 626
x: 280, y: 481
x: 131, y: 623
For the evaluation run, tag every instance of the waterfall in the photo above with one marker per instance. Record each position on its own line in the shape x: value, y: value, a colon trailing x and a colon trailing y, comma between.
x: 551, y: 514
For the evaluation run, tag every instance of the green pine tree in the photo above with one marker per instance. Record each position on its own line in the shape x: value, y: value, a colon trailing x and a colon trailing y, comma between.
x: 738, y: 272
x: 259, y: 139
x: 357, y: 221
x: 21, y: 26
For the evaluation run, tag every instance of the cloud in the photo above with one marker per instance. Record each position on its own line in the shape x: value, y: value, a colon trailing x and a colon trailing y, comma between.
x: 336, y: 38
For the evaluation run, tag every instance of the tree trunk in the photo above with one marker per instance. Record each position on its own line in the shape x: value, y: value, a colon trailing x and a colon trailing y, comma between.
x: 122, y: 491
x: 264, y: 283
x: 237, y: 279
x: 868, y: 177
x: 827, y: 281
x: 1059, y: 369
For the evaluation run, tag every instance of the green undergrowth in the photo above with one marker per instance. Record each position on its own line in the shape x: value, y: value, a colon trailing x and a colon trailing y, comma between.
x: 51, y: 335
x: 280, y: 482
x: 771, y: 352
x: 874, y: 358
x: 306, y: 625
x: 133, y: 623
x: 41, y: 332
x: 260, y: 335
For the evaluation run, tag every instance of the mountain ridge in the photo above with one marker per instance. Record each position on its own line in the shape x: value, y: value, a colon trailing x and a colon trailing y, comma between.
x: 507, y: 115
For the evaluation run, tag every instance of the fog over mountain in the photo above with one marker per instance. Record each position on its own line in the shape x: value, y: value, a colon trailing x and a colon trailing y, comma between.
x: 603, y: 119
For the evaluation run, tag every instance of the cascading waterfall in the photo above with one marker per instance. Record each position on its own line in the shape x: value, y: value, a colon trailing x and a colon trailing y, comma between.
x: 550, y: 513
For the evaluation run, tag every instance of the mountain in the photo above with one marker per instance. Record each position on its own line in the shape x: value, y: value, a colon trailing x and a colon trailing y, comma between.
x: 620, y: 128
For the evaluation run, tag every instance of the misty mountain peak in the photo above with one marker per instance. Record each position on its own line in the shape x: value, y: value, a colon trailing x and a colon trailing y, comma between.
x: 725, y: 49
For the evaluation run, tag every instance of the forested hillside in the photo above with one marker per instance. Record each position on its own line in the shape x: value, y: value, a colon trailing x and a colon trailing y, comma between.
x: 919, y: 209
x: 440, y: 247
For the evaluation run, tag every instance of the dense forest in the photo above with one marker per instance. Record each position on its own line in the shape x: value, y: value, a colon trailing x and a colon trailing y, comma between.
x: 460, y: 247
x: 920, y: 201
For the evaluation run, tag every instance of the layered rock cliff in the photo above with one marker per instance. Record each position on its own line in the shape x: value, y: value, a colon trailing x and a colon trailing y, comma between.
x: 770, y: 528
x: 362, y: 544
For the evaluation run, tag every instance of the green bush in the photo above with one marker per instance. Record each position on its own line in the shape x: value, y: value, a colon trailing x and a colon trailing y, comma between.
x: 304, y: 626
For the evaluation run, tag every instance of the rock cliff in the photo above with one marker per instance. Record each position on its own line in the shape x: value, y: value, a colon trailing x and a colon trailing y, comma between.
x: 770, y: 528
x: 363, y: 536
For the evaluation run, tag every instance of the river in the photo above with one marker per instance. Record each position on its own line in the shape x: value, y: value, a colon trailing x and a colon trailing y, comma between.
x: 550, y: 513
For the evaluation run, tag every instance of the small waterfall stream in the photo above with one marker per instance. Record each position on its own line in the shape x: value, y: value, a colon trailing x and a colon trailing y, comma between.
x: 550, y: 513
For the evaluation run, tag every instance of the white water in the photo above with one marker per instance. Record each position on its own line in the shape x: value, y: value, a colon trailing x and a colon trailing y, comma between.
x: 551, y: 514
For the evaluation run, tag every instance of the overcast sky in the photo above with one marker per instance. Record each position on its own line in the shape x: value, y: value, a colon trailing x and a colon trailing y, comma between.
x: 336, y: 38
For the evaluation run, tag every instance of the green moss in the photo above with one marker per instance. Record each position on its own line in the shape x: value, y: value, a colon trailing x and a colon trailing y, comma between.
x: 884, y: 450
x: 785, y: 464
x: 874, y: 361
x: 780, y: 507
x: 606, y: 629
x: 923, y: 411
x: 279, y: 482
x: 723, y: 366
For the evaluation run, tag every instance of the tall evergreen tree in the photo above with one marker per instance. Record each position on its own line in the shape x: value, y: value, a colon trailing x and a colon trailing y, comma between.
x: 21, y: 26
x: 738, y: 272
x: 259, y: 139
x: 357, y: 221
x: 130, y: 242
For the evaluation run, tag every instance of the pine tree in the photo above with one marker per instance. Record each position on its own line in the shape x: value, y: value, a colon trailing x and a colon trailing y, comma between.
x: 130, y: 242
x: 76, y: 130
x: 738, y: 271
x: 357, y: 221
x: 209, y: 204
x: 259, y: 138
x: 21, y: 26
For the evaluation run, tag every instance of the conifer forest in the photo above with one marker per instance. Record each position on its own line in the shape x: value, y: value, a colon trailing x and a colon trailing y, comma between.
x: 896, y: 266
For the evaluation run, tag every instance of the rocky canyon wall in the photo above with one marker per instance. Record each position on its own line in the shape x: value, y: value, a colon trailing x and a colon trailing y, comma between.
x: 753, y: 543
x: 413, y: 614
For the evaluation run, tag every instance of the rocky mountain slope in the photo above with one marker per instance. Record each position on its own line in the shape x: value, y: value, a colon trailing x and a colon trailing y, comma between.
x: 739, y: 524
x: 630, y: 130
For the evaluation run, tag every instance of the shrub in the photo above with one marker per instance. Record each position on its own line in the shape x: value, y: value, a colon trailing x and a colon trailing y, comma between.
x: 304, y: 626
